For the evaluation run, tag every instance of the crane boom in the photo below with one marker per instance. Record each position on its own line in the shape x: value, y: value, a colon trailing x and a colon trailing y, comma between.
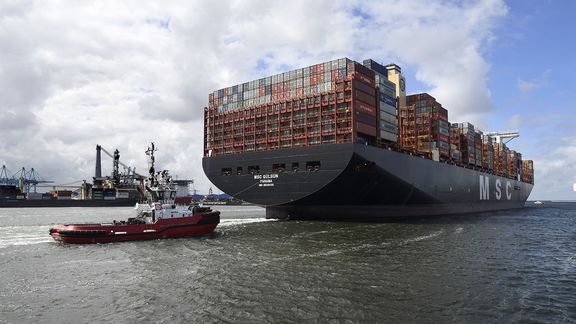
x: 508, y: 135
x: 112, y: 156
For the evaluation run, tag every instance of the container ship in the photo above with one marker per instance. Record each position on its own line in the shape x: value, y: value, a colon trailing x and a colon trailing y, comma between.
x: 342, y: 140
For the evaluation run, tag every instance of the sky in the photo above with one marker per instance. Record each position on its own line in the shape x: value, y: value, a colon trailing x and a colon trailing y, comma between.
x: 74, y: 74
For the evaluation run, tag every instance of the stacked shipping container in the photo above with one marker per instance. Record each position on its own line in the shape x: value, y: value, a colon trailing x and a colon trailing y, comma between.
x: 343, y: 101
x: 500, y: 159
x: 466, y: 133
x: 332, y: 102
x: 487, y: 152
x: 424, y: 126
x: 386, y: 102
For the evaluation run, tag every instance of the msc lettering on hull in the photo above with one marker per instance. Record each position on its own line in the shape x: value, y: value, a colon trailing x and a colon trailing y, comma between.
x: 485, y: 188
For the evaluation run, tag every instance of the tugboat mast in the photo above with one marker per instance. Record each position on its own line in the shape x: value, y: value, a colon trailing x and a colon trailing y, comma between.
x: 150, y: 152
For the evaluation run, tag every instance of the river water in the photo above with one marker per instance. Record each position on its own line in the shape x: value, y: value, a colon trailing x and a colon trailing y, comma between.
x: 513, y: 266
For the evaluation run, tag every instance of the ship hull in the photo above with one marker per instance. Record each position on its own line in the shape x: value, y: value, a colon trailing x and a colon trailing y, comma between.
x: 361, y: 182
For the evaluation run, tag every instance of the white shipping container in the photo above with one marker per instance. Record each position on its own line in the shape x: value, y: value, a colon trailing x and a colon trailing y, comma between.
x: 392, y: 119
x: 388, y: 136
x: 385, y: 108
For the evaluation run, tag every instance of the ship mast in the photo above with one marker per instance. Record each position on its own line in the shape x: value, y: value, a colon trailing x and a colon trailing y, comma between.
x: 151, y: 159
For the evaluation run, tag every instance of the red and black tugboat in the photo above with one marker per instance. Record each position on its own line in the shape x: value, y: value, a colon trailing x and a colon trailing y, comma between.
x: 157, y: 218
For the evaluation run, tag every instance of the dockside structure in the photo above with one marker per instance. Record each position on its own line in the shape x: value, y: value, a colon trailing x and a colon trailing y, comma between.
x: 258, y: 131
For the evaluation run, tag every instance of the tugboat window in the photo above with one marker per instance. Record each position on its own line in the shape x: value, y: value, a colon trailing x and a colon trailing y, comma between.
x: 278, y: 167
x: 239, y: 170
x: 253, y: 169
x: 226, y: 171
x: 312, y: 165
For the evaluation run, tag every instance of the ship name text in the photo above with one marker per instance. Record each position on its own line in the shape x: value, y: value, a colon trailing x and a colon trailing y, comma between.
x: 266, y: 180
x: 499, y: 187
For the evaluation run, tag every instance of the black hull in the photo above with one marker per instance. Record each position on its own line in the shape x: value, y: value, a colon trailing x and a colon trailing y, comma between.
x: 66, y: 203
x: 356, y: 181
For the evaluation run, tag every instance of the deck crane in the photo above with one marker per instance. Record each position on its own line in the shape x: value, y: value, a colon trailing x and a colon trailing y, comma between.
x: 499, y: 136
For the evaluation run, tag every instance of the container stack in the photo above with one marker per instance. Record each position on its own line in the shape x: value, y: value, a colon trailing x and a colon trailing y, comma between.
x: 455, y: 152
x: 333, y: 102
x: 500, y: 159
x: 478, y: 147
x: 297, y: 83
x: 514, y: 164
x: 467, y: 136
x: 343, y: 101
x: 386, y: 102
x: 487, y: 152
x: 528, y: 171
x: 424, y: 126
x: 364, y: 94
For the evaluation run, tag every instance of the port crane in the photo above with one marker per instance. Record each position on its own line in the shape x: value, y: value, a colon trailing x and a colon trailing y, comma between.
x: 117, y: 177
x: 25, y: 180
x: 500, y: 136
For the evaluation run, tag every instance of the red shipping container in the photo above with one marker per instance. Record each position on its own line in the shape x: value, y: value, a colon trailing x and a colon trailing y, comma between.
x: 365, y: 129
x: 364, y: 108
x: 262, y: 91
x: 366, y: 98
x: 365, y: 118
x: 365, y: 78
x: 334, y: 75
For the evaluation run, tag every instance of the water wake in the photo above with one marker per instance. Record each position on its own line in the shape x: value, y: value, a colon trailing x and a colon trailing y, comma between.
x: 23, y: 235
x: 421, y: 238
x: 242, y: 221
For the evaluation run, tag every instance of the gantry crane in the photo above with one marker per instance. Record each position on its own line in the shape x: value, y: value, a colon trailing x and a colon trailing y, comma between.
x: 499, y: 136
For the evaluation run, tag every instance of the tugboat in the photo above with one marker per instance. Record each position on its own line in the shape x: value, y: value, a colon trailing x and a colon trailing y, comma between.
x: 157, y: 218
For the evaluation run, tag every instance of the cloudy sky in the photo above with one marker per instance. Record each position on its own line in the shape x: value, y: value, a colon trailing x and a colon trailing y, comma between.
x: 121, y: 74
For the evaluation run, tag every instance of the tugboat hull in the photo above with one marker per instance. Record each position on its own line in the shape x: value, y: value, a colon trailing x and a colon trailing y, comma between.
x: 199, y: 224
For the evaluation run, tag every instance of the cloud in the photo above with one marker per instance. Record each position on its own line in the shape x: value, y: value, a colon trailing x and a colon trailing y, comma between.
x: 555, y: 170
x: 526, y: 86
x: 444, y: 41
x: 122, y: 74
x: 516, y: 121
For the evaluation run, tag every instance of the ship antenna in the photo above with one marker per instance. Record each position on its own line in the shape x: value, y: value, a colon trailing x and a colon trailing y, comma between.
x: 150, y: 152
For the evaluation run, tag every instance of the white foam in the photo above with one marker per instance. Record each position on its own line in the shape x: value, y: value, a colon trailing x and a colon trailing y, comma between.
x: 23, y: 235
x: 24, y: 240
x: 421, y: 238
x: 242, y: 221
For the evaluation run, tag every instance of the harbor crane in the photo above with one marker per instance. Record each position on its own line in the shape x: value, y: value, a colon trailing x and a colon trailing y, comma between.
x: 116, y: 176
x: 500, y: 136
x: 25, y: 180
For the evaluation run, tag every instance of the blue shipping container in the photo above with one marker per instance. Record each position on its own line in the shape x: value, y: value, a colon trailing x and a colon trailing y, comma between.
x: 387, y: 99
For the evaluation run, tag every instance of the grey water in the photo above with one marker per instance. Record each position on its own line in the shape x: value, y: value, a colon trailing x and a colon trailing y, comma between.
x: 497, y: 267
